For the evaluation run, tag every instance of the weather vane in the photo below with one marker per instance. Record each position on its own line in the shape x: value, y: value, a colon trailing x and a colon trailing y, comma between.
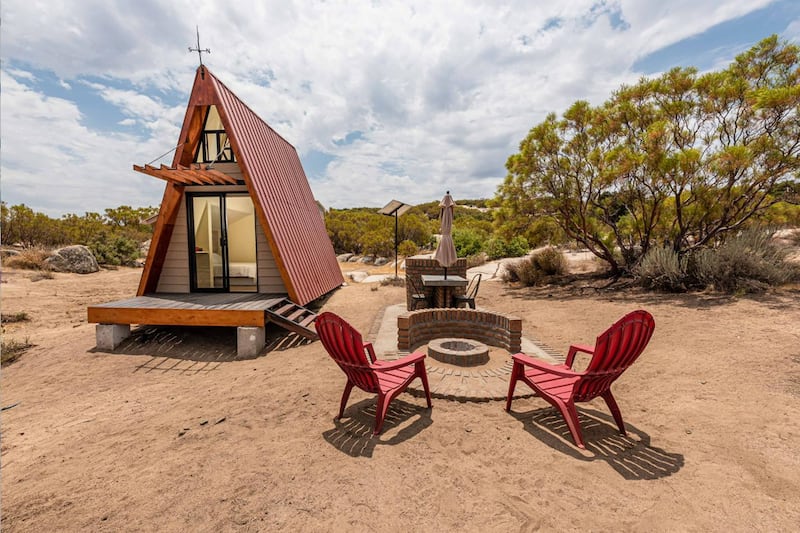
x: 198, y: 49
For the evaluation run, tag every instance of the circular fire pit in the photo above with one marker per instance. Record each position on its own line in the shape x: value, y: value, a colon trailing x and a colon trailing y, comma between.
x: 460, y: 352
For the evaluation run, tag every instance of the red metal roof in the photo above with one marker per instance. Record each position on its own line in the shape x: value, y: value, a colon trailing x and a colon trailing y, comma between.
x: 282, y: 196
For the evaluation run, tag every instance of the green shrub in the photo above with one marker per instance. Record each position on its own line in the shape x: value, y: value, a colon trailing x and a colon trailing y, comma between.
x: 748, y: 262
x: 407, y: 248
x: 115, y: 251
x: 662, y: 269
x: 467, y: 242
x: 537, y: 268
x: 497, y: 247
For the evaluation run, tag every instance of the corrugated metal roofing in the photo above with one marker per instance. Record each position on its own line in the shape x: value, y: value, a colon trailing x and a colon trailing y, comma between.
x: 294, y: 224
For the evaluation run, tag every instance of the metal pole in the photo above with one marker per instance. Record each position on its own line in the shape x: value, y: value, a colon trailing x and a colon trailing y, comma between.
x: 396, y: 258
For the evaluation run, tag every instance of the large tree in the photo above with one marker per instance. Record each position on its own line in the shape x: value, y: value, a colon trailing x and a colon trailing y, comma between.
x: 680, y: 159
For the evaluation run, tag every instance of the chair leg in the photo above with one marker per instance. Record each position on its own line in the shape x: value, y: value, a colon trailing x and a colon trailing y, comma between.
x: 380, y: 412
x: 423, y: 375
x: 345, y: 397
x: 614, y: 408
x: 570, y: 414
x: 515, y: 374
x: 471, y: 304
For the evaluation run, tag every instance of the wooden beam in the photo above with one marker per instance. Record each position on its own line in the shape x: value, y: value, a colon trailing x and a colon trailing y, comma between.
x: 170, y: 205
x: 221, y: 176
x: 176, y: 317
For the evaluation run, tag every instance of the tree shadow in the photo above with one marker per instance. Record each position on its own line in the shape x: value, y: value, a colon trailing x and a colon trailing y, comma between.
x: 777, y: 298
x: 353, y: 433
x: 631, y: 456
x: 193, y: 349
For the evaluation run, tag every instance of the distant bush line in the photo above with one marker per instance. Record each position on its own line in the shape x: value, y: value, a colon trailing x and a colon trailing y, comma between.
x: 115, y: 237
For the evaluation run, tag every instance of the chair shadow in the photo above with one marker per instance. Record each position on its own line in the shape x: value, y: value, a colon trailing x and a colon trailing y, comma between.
x: 353, y: 433
x: 192, y: 349
x: 631, y: 456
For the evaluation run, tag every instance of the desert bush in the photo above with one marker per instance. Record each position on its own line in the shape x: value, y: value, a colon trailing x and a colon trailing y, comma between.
x: 407, y: 248
x: 39, y: 275
x: 748, y: 262
x: 10, y: 318
x: 29, y: 259
x: 662, y: 269
x: 477, y: 260
x: 537, y: 268
x: 12, y: 349
x: 551, y: 261
x: 115, y: 251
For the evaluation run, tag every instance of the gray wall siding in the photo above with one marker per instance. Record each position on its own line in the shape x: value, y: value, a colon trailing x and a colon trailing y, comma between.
x: 269, y: 277
x: 175, y: 274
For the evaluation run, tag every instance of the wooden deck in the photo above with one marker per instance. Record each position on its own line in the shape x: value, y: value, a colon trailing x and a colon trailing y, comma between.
x: 208, y: 309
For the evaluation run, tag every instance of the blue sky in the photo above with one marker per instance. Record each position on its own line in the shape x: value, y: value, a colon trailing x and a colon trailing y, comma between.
x: 387, y: 99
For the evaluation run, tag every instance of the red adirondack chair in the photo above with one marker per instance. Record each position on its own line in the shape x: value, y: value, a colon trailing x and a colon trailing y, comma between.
x: 357, y: 359
x: 614, y: 351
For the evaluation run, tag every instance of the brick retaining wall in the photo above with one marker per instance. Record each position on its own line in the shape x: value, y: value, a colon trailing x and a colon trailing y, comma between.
x: 495, y: 329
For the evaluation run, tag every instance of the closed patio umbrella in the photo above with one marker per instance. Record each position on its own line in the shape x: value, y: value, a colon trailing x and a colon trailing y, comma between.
x: 446, y: 251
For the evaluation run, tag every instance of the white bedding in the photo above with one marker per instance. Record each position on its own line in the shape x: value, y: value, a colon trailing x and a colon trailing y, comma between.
x: 235, y: 269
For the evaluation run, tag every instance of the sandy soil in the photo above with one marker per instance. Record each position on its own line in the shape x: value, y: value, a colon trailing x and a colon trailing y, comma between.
x: 173, y: 434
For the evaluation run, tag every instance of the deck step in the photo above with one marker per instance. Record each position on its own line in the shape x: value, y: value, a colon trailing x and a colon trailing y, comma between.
x: 293, y: 317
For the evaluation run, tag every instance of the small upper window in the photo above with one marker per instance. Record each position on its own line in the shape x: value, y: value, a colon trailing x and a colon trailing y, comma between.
x: 214, y: 146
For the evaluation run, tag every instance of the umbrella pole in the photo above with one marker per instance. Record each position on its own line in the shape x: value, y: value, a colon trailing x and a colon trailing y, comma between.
x: 445, y: 272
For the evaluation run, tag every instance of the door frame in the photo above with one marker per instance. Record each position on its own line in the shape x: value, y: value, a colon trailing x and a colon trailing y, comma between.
x: 190, y: 196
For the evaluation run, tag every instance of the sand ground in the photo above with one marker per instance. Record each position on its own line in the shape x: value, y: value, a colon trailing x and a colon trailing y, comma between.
x: 172, y: 433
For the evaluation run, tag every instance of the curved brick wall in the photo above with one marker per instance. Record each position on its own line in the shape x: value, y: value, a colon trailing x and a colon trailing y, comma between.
x: 495, y: 329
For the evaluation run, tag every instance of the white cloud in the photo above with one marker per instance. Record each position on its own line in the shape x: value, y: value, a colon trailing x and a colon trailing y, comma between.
x: 54, y: 164
x: 441, y: 92
x: 792, y: 31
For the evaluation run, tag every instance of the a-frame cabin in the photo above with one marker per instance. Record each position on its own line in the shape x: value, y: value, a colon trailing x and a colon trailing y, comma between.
x: 239, y: 239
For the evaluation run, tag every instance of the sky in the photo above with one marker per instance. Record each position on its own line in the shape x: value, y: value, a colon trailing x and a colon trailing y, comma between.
x: 382, y: 99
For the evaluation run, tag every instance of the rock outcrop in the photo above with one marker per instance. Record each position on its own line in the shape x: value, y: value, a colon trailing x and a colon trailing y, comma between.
x: 78, y: 259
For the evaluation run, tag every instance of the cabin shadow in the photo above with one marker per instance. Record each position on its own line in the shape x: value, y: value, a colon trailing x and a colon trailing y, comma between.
x: 630, y: 456
x: 207, y: 347
x: 352, y: 435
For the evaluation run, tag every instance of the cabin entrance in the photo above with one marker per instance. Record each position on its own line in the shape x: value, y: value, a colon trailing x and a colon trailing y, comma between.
x: 222, y: 242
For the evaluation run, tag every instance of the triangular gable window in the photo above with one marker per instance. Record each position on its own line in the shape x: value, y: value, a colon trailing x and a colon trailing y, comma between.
x: 214, y: 143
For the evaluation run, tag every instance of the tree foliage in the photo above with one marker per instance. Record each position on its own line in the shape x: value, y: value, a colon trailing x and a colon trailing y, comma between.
x: 365, y: 231
x: 681, y: 159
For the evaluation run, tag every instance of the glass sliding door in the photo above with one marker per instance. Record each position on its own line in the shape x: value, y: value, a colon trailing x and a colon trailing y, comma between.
x: 222, y: 243
x: 240, y: 219
x: 209, y: 262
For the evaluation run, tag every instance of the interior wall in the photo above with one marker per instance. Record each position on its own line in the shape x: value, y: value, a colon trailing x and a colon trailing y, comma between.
x: 241, y: 229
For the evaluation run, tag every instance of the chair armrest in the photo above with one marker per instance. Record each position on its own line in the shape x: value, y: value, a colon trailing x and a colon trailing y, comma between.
x: 574, y: 349
x: 559, y: 370
x: 409, y: 359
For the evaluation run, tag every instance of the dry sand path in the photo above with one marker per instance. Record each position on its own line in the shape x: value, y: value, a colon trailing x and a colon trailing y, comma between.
x: 176, y: 435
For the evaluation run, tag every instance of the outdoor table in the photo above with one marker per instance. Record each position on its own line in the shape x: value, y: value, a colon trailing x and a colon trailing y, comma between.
x: 444, y: 287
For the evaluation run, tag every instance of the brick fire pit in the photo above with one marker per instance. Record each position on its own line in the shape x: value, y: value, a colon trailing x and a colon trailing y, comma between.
x: 420, y: 327
x: 460, y: 352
